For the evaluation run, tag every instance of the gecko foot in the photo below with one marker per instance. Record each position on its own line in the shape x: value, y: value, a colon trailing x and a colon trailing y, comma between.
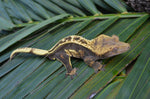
x: 99, y: 68
x: 72, y: 73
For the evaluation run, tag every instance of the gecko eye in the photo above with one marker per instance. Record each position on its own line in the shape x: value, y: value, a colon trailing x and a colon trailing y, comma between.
x: 115, y: 49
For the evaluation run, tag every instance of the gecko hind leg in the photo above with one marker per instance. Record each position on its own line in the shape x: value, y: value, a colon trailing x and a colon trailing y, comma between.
x: 65, y: 60
x: 91, y: 61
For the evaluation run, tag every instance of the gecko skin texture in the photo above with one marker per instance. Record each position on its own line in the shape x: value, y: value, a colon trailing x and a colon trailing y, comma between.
x: 90, y: 51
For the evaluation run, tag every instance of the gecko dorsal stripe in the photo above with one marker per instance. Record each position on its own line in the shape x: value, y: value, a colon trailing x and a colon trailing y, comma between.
x: 72, y: 39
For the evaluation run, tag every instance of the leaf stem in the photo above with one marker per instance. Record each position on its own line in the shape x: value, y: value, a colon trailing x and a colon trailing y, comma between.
x: 100, y: 16
x: 107, y: 16
x: 27, y: 24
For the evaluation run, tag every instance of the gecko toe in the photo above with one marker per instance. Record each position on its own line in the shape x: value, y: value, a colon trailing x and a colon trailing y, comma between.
x: 66, y: 75
x: 99, y: 68
x: 102, y: 68
x: 71, y: 77
x: 72, y: 73
x: 76, y: 74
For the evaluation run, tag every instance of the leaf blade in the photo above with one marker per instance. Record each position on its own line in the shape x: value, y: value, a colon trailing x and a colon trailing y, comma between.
x: 113, y: 67
x: 30, y: 31
x: 138, y: 76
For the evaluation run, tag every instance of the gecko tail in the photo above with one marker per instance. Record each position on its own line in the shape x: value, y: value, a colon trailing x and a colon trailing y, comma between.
x: 29, y: 50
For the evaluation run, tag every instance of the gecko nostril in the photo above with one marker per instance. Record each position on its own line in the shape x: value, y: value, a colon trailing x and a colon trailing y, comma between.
x: 128, y: 47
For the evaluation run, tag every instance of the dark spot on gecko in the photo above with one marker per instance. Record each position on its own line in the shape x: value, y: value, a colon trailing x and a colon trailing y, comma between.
x: 96, y: 43
x: 67, y: 39
x: 31, y: 51
x: 61, y: 42
x: 76, y: 38
x: 83, y: 41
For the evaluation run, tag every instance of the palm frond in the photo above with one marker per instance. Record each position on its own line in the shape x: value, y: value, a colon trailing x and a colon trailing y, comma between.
x: 41, y: 23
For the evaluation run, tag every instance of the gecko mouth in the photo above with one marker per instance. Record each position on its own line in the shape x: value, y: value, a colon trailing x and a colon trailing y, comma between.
x: 125, y: 47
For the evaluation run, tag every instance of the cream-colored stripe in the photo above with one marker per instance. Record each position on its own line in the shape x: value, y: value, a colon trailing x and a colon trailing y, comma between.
x: 72, y: 40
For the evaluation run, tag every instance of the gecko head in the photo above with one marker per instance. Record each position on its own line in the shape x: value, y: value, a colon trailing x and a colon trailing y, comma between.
x: 112, y: 46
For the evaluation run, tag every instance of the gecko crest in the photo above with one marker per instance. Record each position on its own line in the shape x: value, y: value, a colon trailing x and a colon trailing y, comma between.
x: 72, y: 39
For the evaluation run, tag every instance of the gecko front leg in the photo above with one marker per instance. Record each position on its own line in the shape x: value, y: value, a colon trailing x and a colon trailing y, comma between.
x: 66, y: 61
x: 91, y: 61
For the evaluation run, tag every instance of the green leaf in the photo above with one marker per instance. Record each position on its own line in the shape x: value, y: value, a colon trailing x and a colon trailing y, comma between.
x: 25, y: 32
x: 99, y: 28
x: 137, y: 84
x: 132, y: 27
x: 36, y: 8
x: 28, y: 65
x: 3, y: 12
x: 68, y: 7
x: 107, y: 91
x: 104, y: 5
x: 112, y: 68
x: 75, y: 3
x: 89, y: 5
x: 28, y: 24
x: 116, y: 4
x: 5, y: 24
x: 51, y: 6
x: 20, y: 11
